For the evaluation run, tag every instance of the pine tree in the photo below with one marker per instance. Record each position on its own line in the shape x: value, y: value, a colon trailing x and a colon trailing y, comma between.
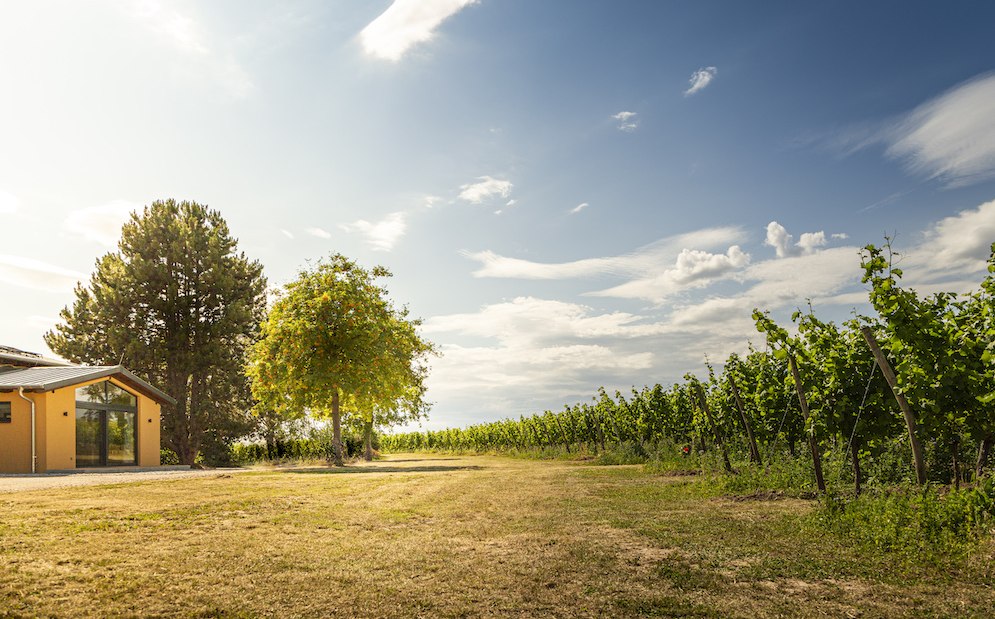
x: 179, y: 305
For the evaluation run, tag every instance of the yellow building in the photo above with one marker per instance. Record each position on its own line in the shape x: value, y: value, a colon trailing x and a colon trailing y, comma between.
x: 55, y: 416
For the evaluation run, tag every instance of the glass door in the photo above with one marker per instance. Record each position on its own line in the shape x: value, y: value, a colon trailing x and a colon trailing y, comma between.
x: 106, y: 426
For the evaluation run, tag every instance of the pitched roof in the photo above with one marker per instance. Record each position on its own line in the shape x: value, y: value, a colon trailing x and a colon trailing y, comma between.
x: 12, y: 356
x: 51, y: 378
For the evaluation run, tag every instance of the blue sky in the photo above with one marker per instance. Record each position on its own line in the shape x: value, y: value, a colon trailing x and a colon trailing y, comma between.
x: 571, y: 194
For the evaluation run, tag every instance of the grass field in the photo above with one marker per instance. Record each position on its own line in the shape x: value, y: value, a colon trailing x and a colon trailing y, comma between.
x: 453, y: 537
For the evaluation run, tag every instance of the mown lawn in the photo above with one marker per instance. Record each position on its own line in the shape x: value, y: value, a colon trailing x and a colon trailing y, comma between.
x: 415, y: 535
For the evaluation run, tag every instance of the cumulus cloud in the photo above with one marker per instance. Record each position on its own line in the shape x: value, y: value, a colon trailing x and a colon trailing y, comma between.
x: 580, y: 207
x: 782, y: 242
x: 405, y: 24
x: 484, y: 189
x: 381, y: 235
x: 700, y: 79
x: 692, y: 269
x: 102, y: 223
x: 319, y: 232
x: 627, y: 121
x: 641, y: 262
x: 37, y: 275
x: 8, y: 203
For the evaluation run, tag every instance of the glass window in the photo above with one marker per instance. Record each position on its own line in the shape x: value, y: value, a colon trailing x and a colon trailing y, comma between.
x: 91, y: 393
x: 117, y: 395
x: 4, y: 412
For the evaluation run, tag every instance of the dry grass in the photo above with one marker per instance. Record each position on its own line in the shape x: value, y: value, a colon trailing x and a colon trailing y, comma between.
x: 449, y: 537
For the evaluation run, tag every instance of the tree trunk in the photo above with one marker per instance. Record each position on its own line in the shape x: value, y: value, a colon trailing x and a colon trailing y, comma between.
x: 813, y: 446
x: 715, y: 430
x: 910, y: 419
x: 337, y: 458
x: 955, y: 452
x: 368, y: 440
x: 855, y: 461
x: 754, y: 450
x: 983, y: 450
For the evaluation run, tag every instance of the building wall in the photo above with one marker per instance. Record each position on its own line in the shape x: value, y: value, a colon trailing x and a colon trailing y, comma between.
x: 55, y: 419
x: 15, y: 437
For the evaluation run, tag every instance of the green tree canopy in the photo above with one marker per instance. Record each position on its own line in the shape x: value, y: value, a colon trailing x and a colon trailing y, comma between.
x: 334, y: 343
x: 180, y: 305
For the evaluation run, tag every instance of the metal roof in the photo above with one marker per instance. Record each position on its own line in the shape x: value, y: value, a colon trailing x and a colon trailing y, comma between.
x: 11, y: 355
x: 51, y: 378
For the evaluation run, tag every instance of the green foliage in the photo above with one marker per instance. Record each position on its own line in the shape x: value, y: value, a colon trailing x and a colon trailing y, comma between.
x: 913, y: 521
x: 334, y: 339
x: 179, y: 305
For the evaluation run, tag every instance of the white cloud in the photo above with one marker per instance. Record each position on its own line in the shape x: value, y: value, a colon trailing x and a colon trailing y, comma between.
x: 381, y: 235
x: 961, y: 243
x: 580, y: 207
x: 781, y: 241
x: 102, y: 223
x: 642, y: 262
x: 693, y: 268
x: 287, y: 233
x: 406, y: 23
x: 952, y: 137
x: 485, y: 188
x: 558, y: 346
x: 319, y: 232
x: 37, y: 275
x: 700, y: 79
x: 627, y: 121
x: 841, y: 236
x: 8, y: 203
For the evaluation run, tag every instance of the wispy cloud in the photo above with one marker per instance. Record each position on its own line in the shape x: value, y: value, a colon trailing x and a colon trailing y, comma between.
x: 580, y: 207
x: 319, y: 232
x: 102, y: 223
x: 37, y: 275
x: 8, y: 203
x: 485, y: 188
x: 184, y: 32
x: 405, y: 24
x: 641, y: 262
x: 700, y: 79
x: 950, y: 138
x: 381, y: 235
x: 287, y: 233
x: 627, y: 121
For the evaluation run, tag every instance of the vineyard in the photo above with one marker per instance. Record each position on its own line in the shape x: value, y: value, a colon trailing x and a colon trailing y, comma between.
x: 907, y: 394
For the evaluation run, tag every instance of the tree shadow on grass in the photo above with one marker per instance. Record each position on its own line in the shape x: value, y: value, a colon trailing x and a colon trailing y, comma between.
x: 392, y: 461
x: 383, y: 469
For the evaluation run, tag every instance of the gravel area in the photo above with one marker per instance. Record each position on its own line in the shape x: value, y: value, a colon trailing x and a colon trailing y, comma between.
x: 45, y: 481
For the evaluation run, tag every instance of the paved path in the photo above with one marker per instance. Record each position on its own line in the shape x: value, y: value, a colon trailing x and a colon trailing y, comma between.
x: 45, y: 481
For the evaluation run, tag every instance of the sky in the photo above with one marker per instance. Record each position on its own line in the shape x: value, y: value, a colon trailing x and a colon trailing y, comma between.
x: 570, y: 194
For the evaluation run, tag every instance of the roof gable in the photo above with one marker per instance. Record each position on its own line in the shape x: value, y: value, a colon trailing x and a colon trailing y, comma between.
x: 51, y: 378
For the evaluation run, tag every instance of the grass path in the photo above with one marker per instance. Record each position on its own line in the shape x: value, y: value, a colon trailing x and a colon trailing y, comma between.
x: 415, y: 535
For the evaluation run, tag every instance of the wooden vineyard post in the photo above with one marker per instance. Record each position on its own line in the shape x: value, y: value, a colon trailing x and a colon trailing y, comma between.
x: 715, y: 430
x: 566, y: 440
x: 910, y: 418
x: 754, y: 451
x: 812, y: 444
